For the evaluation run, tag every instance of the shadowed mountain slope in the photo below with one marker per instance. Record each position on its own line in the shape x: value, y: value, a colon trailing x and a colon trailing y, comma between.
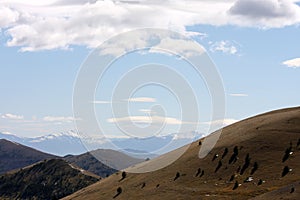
x: 50, y: 179
x: 14, y: 156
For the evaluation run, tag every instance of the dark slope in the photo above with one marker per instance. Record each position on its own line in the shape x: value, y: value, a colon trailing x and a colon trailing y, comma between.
x: 262, y: 150
x: 14, y: 156
x: 50, y: 179
x: 88, y: 162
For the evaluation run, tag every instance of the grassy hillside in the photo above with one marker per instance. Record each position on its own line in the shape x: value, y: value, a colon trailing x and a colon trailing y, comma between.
x: 14, y: 156
x: 50, y: 179
x: 251, y: 158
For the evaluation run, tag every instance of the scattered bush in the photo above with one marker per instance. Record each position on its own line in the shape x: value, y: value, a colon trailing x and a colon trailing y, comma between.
x: 292, y: 190
x: 177, y: 176
x: 119, y: 191
x: 143, y: 185
x: 298, y: 143
x: 215, y: 157
x: 225, y: 153
x: 200, y: 143
x: 287, y: 154
x: 285, y: 171
x: 246, y: 164
x: 157, y: 186
x: 124, y: 174
x: 233, y: 158
x: 218, y: 167
x: 236, y: 185
x: 236, y: 150
x: 260, y: 182
x: 254, y: 169
x: 231, y: 178
x: 202, y: 173
x: 198, y: 172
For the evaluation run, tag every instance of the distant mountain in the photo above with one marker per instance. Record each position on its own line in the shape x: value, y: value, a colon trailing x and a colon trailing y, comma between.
x: 50, y: 179
x: 257, y: 156
x: 88, y: 162
x: 14, y: 155
x: 71, y: 143
x: 115, y: 159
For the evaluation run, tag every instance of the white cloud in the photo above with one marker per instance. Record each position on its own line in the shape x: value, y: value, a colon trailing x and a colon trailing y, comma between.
x: 58, y: 119
x: 238, y: 95
x: 148, y: 120
x: 12, y: 116
x: 36, y: 25
x: 224, y: 47
x: 186, y: 48
x: 142, y: 100
x: 266, y: 13
x: 295, y: 63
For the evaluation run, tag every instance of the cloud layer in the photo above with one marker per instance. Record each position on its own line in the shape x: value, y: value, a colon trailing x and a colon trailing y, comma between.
x: 12, y: 116
x: 37, y: 26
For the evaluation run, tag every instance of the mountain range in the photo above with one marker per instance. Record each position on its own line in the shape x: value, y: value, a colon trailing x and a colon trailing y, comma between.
x: 72, y: 143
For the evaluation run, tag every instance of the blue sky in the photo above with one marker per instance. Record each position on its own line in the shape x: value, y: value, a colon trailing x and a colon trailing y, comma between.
x: 43, y: 46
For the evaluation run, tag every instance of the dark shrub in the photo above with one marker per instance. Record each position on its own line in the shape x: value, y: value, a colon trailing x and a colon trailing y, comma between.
x: 287, y: 154
x: 285, y: 171
x: 198, y: 172
x: 177, y: 176
x: 231, y: 178
x: 218, y: 167
x: 260, y: 182
x: 119, y: 191
x: 225, y: 153
x: 236, y: 185
x: 215, y: 157
x: 246, y: 164
x: 254, y: 169
x: 124, y: 174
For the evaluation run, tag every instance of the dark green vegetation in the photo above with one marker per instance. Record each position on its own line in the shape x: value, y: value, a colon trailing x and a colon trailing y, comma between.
x: 50, y: 179
x: 14, y: 156
x: 90, y: 163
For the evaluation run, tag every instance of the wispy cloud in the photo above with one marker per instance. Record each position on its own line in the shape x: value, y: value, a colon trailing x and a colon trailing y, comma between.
x: 101, y: 102
x: 224, y: 46
x: 238, y: 95
x: 12, y: 116
x: 59, y: 119
x: 148, y: 120
x: 293, y: 63
x: 142, y: 100
x: 225, y: 122
x: 136, y: 100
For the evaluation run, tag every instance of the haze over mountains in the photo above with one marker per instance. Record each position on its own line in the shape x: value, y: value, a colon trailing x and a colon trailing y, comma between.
x: 72, y: 143
x: 257, y: 156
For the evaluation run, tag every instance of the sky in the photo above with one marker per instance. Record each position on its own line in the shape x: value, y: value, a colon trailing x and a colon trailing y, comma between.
x: 253, y: 44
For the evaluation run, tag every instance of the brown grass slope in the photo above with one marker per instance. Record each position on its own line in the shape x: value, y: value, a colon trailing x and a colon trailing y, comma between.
x: 265, y: 139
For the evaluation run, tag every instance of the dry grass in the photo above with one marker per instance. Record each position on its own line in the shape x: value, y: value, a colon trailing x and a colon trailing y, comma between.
x: 265, y: 138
